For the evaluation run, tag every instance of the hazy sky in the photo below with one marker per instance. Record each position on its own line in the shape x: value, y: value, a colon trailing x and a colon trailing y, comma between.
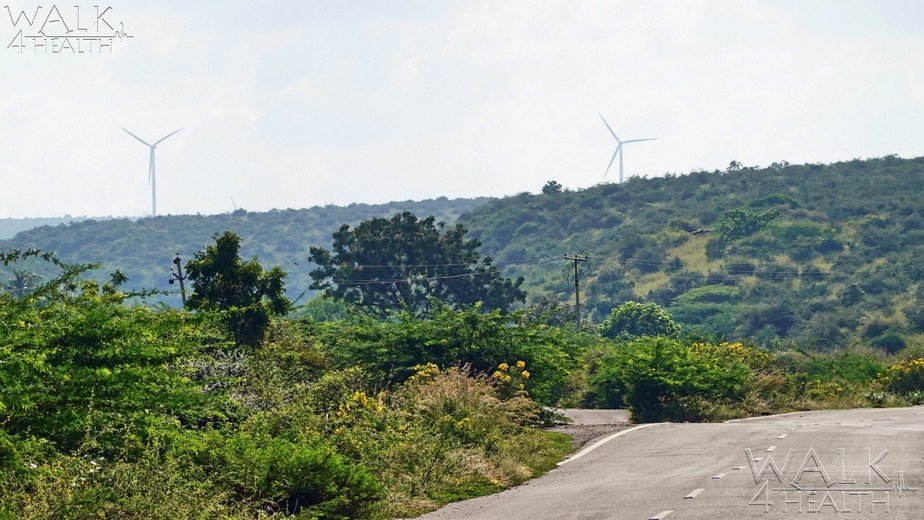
x: 293, y: 104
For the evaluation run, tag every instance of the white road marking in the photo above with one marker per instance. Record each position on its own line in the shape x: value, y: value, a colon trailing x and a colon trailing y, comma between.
x: 603, y: 441
x: 660, y: 516
x: 771, y: 448
x: 783, y: 436
x: 694, y: 493
x: 758, y: 459
x: 720, y: 475
x: 738, y: 468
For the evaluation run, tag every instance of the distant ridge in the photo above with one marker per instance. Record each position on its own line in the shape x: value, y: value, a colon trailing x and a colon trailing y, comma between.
x: 10, y: 226
x: 144, y: 247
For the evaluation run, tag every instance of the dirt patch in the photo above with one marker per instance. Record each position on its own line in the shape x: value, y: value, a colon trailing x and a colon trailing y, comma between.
x: 589, y: 425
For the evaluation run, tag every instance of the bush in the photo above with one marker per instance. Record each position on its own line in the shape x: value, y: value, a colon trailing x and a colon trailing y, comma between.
x: 388, y: 351
x: 668, y: 379
x: 890, y: 341
x: 638, y: 319
x: 85, y: 370
x: 709, y: 294
x: 905, y: 377
x: 302, y: 475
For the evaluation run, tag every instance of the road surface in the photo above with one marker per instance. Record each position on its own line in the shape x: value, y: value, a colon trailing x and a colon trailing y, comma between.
x: 866, y: 463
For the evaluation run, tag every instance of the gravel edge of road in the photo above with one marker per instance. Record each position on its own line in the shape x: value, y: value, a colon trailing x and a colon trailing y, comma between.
x: 591, y: 425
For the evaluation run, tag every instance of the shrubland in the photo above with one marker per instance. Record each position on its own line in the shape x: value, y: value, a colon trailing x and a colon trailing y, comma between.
x: 128, y: 411
x: 404, y: 388
x: 122, y: 410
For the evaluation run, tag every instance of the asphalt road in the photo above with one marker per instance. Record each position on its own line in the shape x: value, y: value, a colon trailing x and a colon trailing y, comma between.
x: 702, y: 471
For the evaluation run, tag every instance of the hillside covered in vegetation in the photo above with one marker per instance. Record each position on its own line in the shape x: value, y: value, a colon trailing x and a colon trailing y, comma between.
x: 822, y: 255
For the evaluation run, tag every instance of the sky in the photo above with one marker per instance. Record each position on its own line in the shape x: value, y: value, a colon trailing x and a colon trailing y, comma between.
x: 296, y: 104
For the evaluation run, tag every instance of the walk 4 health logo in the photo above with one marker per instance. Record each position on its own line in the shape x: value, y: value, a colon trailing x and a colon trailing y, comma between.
x: 812, y: 489
x: 72, y: 30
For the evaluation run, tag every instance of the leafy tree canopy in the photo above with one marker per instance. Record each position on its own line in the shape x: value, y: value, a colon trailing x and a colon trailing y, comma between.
x: 248, y: 294
x: 638, y: 319
x: 737, y: 224
x: 551, y: 187
x: 406, y: 263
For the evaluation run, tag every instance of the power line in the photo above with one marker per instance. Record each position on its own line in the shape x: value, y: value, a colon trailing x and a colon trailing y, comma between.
x: 455, y: 264
x: 414, y: 279
x: 418, y: 279
x: 496, y: 267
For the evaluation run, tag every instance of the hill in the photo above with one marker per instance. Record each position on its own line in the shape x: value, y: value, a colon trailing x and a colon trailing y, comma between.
x: 818, y: 254
x: 821, y: 255
x: 10, y: 226
x: 144, y: 248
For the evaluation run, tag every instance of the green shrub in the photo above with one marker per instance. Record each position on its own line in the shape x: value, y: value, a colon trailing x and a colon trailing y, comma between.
x: 709, y: 294
x: 86, y: 370
x: 792, y: 230
x: 669, y: 379
x: 775, y: 199
x: 905, y: 377
x: 850, y: 367
x: 302, y: 475
x: 638, y: 319
x: 388, y: 351
x: 890, y: 341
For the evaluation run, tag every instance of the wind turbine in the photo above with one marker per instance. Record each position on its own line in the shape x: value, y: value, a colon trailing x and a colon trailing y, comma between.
x: 152, y: 177
x: 619, y: 151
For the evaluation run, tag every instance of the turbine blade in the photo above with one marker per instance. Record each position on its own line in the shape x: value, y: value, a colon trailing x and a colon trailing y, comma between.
x: 162, y: 139
x: 619, y: 147
x: 608, y: 127
x: 640, y: 140
x: 136, y: 137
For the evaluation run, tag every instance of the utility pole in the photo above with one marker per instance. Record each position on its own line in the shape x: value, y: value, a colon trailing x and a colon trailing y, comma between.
x: 178, y: 275
x: 577, y: 287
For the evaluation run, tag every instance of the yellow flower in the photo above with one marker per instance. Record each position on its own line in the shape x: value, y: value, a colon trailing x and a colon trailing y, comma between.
x: 521, y: 364
x: 525, y: 374
x: 503, y: 366
x: 498, y: 374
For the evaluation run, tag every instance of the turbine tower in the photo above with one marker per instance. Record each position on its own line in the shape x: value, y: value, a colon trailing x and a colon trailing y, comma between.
x: 152, y: 177
x: 619, y: 150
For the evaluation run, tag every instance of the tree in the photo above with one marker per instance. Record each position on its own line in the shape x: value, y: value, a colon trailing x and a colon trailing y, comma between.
x: 21, y: 283
x: 248, y: 295
x: 638, y: 319
x: 404, y: 263
x: 736, y: 224
x: 551, y: 187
